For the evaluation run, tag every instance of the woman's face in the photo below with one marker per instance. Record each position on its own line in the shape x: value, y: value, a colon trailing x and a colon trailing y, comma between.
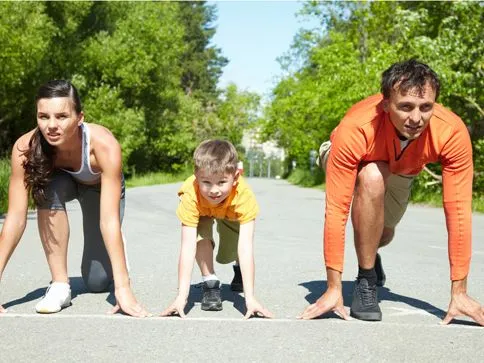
x: 58, y: 120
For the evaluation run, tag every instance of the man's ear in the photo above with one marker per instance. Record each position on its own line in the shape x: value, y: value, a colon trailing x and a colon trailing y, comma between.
x: 386, y: 105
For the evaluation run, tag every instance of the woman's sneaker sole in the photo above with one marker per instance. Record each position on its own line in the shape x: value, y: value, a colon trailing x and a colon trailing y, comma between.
x: 46, y: 311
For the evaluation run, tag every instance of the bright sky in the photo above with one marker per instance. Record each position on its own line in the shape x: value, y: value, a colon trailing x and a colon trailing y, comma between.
x: 252, y: 34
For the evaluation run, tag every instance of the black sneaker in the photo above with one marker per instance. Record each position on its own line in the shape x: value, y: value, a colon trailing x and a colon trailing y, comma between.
x: 236, y: 284
x: 380, y: 274
x: 211, y: 300
x: 365, y: 302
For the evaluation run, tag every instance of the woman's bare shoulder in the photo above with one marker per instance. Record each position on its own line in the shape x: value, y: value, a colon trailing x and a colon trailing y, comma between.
x: 22, y: 142
x: 102, y: 137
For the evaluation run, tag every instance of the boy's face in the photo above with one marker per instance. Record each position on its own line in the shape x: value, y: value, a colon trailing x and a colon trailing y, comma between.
x: 216, y: 188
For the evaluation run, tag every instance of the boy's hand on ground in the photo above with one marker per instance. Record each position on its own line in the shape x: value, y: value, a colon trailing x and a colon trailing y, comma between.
x: 2, y: 310
x: 255, y: 308
x: 463, y: 304
x: 126, y: 302
x: 177, y: 307
x: 331, y: 300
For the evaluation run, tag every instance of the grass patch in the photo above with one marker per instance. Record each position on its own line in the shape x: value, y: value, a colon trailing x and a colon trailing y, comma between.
x: 157, y: 178
x: 4, y: 180
x: 139, y: 180
x: 307, y: 179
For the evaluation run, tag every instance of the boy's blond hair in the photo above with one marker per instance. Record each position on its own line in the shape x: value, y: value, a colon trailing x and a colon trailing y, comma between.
x: 215, y: 157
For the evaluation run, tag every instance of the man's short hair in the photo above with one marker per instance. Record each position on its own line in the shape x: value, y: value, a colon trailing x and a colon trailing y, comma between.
x: 407, y: 75
x: 215, y: 157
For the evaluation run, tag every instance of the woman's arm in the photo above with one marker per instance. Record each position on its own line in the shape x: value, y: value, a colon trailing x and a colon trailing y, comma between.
x: 108, y: 156
x: 15, y: 221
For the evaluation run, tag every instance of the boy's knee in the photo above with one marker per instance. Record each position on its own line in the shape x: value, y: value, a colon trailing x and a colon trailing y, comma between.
x: 205, y: 243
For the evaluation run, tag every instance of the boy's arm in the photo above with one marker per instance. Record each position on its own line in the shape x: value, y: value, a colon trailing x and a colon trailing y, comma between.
x: 185, y: 267
x: 187, y: 259
x: 246, y: 261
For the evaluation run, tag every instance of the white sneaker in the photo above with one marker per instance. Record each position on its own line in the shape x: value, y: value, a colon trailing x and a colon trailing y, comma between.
x: 57, y: 297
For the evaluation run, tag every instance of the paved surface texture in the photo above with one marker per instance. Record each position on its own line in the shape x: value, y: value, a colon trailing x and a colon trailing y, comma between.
x: 289, y: 276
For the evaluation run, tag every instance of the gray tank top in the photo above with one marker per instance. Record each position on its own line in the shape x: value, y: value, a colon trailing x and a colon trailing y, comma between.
x: 85, y: 173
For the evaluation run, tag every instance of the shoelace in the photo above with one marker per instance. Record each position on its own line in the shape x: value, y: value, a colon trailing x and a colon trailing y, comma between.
x: 212, y: 294
x: 368, y: 295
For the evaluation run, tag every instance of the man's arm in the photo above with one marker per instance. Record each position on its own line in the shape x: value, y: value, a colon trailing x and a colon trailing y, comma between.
x: 457, y: 174
x: 347, y: 149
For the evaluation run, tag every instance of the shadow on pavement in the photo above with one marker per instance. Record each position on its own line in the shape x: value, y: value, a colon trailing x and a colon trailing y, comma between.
x: 317, y: 287
x: 77, y: 288
x: 227, y: 295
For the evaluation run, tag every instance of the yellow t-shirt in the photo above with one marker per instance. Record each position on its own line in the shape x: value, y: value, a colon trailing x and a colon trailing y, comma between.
x: 240, y: 205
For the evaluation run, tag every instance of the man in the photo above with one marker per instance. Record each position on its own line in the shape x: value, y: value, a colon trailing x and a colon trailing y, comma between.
x: 381, y: 144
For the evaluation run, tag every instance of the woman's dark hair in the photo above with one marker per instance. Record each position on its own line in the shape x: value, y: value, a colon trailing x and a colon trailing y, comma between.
x: 39, y: 157
x: 408, y: 75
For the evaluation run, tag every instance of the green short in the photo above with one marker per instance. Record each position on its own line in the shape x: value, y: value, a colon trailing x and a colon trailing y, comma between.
x: 228, y: 232
x: 397, y: 193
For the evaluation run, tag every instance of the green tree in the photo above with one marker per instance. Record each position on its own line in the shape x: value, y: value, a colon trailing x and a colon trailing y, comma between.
x: 341, y: 62
x: 202, y: 63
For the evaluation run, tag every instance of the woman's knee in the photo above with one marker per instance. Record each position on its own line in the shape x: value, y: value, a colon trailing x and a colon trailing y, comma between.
x: 96, y: 278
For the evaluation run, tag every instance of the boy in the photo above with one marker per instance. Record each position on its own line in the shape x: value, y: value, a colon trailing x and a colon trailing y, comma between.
x: 216, y: 191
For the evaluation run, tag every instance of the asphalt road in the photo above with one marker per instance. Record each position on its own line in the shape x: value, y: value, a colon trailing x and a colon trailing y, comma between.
x: 289, y: 276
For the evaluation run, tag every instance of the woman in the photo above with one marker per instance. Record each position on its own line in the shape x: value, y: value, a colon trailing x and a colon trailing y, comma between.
x: 63, y: 159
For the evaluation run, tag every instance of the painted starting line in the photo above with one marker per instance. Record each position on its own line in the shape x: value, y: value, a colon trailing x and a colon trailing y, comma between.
x: 206, y: 319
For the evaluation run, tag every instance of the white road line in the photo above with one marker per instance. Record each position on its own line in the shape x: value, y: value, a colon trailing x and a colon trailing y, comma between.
x: 445, y: 247
x: 213, y: 320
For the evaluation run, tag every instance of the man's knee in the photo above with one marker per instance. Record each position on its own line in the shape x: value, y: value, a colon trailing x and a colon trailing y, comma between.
x: 386, y: 236
x: 371, y: 179
x: 96, y: 278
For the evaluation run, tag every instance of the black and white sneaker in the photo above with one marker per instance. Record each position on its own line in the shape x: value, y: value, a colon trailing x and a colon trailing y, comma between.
x: 211, y: 300
x: 365, y: 302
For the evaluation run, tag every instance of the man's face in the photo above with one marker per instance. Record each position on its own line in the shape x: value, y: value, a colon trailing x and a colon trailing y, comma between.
x: 410, y: 113
x: 215, y: 188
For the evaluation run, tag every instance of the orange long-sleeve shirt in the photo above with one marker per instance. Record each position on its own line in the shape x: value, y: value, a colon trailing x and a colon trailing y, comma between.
x: 366, y: 134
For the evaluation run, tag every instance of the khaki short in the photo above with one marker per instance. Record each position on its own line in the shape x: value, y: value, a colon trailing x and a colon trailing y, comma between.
x: 228, y: 237
x: 397, y: 192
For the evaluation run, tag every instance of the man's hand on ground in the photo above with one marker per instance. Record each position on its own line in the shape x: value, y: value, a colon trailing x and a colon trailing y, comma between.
x: 463, y: 304
x: 331, y: 300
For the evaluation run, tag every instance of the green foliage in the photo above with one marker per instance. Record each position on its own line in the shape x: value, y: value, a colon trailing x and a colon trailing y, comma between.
x: 306, y: 178
x: 341, y: 63
x: 4, y: 182
x: 145, y: 70
x: 104, y: 106
x: 202, y: 63
x: 158, y: 178
x: 25, y: 36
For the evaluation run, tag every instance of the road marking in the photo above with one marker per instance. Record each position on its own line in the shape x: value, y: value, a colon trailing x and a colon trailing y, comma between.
x: 214, y: 320
x: 444, y: 248
x: 407, y: 311
x: 120, y: 316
